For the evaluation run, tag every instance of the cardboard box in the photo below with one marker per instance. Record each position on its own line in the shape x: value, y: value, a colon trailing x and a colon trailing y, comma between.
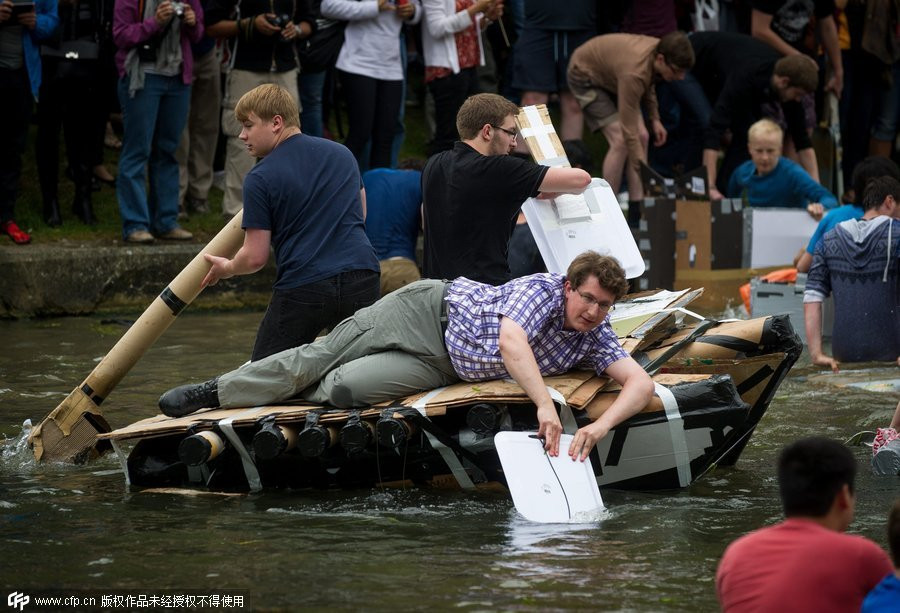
x: 709, y: 235
x: 776, y: 298
x: 774, y: 235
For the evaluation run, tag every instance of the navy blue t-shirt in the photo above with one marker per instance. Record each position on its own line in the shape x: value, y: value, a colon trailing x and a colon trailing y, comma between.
x: 306, y: 192
x: 393, y: 211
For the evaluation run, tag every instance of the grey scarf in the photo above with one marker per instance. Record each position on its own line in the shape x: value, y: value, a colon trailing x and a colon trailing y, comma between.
x: 168, y: 54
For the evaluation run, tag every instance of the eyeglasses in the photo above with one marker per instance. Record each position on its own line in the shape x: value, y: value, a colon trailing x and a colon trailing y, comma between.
x: 512, y: 133
x: 677, y: 72
x: 591, y: 301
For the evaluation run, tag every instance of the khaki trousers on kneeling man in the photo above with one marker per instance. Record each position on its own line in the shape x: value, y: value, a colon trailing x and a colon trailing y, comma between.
x: 391, y: 349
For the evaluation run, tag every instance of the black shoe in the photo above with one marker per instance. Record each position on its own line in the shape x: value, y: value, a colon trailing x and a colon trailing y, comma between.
x: 180, y: 401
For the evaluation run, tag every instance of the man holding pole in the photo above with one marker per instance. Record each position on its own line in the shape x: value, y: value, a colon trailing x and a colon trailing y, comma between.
x: 305, y: 198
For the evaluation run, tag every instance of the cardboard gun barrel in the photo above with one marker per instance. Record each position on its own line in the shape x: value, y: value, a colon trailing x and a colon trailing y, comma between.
x: 68, y: 433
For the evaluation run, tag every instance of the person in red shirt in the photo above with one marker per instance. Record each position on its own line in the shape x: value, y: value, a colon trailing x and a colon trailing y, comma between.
x: 806, y: 562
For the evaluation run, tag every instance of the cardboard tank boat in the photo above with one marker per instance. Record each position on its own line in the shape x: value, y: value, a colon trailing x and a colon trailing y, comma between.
x: 714, y: 382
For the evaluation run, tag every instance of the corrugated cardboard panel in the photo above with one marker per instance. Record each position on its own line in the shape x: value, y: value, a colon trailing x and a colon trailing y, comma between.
x: 536, y: 127
x: 656, y: 241
x: 708, y: 236
x: 693, y: 235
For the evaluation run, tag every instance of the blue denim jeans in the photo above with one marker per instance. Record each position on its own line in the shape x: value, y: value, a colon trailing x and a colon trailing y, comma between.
x: 153, y: 120
x: 295, y: 316
x: 312, y: 85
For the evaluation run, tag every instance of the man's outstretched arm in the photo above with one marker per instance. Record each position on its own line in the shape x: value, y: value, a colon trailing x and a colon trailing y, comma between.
x: 522, y: 366
x: 637, y: 390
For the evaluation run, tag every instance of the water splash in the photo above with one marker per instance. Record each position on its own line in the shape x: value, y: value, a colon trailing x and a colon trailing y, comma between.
x: 15, y: 455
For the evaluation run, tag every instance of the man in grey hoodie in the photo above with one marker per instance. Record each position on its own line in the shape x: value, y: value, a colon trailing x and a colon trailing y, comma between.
x: 858, y: 261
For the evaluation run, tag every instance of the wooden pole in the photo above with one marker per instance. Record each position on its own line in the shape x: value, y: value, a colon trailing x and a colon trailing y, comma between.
x: 68, y: 433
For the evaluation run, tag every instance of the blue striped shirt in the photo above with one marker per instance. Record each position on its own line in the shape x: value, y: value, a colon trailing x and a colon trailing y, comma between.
x: 535, y: 302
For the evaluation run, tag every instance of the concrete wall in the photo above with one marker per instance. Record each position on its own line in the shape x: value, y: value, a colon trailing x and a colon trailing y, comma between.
x: 65, y: 279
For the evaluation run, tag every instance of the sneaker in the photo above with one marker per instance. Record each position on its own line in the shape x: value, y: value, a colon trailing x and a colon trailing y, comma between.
x: 196, y: 205
x: 176, y: 234
x: 15, y: 233
x: 139, y: 237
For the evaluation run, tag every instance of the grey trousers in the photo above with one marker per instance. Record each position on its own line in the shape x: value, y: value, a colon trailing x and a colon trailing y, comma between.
x: 391, y: 349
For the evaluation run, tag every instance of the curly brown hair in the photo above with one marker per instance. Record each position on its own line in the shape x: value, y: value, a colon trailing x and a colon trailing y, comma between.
x: 606, y: 268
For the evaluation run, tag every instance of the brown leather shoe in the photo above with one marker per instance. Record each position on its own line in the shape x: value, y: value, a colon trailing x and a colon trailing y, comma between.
x: 139, y: 237
x: 176, y: 234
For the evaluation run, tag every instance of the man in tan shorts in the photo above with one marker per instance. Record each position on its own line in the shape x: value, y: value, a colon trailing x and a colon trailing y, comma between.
x: 612, y: 76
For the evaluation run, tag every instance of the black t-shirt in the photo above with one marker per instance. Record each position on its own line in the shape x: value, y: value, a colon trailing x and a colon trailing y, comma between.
x: 258, y: 52
x: 792, y: 20
x: 735, y: 71
x: 471, y: 202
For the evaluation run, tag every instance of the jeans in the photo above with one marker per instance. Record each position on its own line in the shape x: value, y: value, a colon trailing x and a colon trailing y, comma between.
x: 388, y: 350
x: 373, y: 106
x: 449, y: 93
x: 15, y: 106
x: 153, y: 120
x: 295, y: 316
x: 66, y: 104
x: 685, y: 112
x: 312, y: 86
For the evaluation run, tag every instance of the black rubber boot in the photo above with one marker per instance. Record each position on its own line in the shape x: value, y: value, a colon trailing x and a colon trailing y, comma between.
x: 83, y: 207
x: 181, y: 401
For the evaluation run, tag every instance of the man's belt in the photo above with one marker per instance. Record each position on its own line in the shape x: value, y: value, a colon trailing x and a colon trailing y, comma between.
x: 444, y: 317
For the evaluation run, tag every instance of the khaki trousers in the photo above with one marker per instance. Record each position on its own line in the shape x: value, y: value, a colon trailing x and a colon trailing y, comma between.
x: 391, y: 349
x: 237, y: 161
x: 197, y: 149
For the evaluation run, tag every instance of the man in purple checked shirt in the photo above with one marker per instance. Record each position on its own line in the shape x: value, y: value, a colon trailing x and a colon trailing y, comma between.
x: 434, y: 333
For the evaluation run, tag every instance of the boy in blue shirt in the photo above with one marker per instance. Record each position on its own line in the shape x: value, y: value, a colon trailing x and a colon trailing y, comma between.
x: 771, y: 180
x: 869, y: 168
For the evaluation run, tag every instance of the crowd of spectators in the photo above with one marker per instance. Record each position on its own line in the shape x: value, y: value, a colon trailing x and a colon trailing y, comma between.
x: 172, y: 66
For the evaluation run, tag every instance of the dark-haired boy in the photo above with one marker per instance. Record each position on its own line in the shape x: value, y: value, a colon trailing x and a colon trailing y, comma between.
x: 869, y: 168
x: 805, y: 563
x: 859, y: 262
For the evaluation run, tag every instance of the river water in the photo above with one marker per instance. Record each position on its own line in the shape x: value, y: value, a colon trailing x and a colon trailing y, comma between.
x: 80, y: 531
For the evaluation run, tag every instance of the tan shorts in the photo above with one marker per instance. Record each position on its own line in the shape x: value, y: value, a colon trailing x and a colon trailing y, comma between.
x: 597, y: 104
x: 397, y: 272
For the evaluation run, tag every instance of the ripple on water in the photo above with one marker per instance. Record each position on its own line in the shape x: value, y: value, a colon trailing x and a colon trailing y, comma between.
x: 100, y: 562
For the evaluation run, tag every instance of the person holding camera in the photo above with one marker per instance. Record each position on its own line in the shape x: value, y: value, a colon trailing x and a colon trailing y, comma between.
x: 22, y: 27
x: 155, y: 64
x: 262, y: 34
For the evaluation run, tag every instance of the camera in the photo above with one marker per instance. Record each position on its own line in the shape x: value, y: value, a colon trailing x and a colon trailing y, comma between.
x: 178, y: 7
x: 279, y: 21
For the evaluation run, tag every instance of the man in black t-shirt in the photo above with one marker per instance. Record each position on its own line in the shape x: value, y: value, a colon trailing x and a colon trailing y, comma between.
x: 472, y: 193
x: 800, y: 26
x: 743, y: 80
